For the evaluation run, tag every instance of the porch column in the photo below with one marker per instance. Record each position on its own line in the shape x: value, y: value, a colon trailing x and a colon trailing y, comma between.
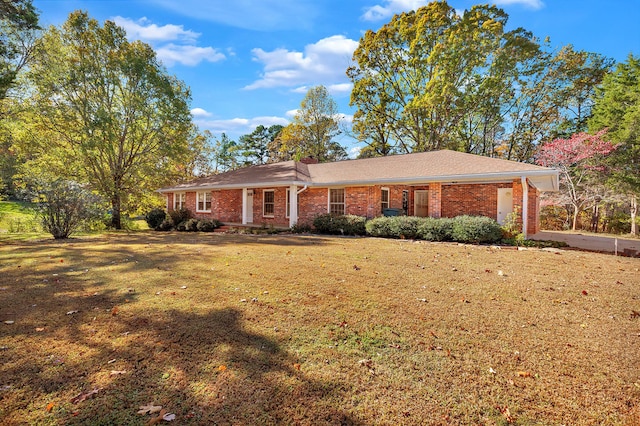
x: 435, y: 199
x: 244, y: 206
x: 293, y: 205
x: 525, y: 205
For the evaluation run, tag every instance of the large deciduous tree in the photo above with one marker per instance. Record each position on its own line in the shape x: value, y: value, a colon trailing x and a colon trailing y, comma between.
x: 580, y: 161
x: 428, y: 73
x: 312, y: 131
x: 18, y: 23
x: 108, y: 112
x: 617, y: 108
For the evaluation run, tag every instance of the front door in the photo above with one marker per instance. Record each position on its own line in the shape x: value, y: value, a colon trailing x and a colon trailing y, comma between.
x: 420, y: 203
x: 505, y: 204
x: 250, y: 206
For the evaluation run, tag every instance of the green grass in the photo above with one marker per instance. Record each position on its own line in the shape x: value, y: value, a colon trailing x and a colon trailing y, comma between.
x: 18, y: 217
x: 282, y: 329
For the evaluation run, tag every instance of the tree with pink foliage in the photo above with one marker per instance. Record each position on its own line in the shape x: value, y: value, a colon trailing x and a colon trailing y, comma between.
x: 579, y: 160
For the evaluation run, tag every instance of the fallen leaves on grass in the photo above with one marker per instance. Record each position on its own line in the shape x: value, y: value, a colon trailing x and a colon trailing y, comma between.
x: 524, y: 374
x: 222, y: 368
x: 50, y: 407
x: 9, y: 322
x: 118, y: 372
x: 634, y: 314
x: 114, y: 311
x: 83, y: 396
x: 149, y: 409
x: 72, y: 312
x: 505, y: 413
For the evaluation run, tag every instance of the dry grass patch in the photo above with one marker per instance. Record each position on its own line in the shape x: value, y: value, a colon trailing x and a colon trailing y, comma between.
x: 241, y: 329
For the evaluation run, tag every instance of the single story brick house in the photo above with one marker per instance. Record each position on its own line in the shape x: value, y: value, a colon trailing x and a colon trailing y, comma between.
x: 437, y: 184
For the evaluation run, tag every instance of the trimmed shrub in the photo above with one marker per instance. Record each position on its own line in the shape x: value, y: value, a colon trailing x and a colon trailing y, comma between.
x: 208, y: 225
x: 180, y: 215
x: 394, y: 226
x: 155, y: 217
x: 165, y: 225
x: 475, y: 229
x: 340, y: 225
x: 191, y: 225
x: 301, y: 228
x: 433, y: 229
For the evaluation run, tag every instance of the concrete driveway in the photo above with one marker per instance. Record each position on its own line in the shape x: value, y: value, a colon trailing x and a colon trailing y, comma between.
x: 620, y: 245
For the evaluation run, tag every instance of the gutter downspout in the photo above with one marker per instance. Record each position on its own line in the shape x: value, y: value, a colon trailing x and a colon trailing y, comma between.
x: 300, y: 191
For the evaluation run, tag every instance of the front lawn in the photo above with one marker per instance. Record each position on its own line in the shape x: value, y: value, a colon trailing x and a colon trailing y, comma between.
x: 246, y: 329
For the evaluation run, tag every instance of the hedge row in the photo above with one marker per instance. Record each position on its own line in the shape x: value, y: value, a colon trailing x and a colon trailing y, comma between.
x: 466, y: 229
x: 180, y: 220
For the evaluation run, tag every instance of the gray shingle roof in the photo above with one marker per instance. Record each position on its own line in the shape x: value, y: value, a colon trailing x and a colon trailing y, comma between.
x: 434, y: 166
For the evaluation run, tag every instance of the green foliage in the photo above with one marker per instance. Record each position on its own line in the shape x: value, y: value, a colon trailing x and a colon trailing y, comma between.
x: 340, y: 224
x: 394, y: 227
x: 436, y: 229
x: 475, y: 229
x: 64, y: 205
x: 208, y: 225
x: 179, y: 216
x: 155, y: 217
x: 166, y: 225
x: 127, y: 132
x: 191, y: 225
x: 301, y: 228
x: 312, y: 131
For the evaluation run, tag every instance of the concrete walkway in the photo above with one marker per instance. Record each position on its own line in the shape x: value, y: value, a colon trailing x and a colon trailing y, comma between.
x: 623, y: 246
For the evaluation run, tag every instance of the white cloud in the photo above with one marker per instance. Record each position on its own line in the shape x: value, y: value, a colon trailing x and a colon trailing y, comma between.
x: 324, y: 62
x: 391, y: 7
x: 531, y: 4
x: 172, y: 43
x: 144, y: 30
x: 171, y: 54
x: 235, y: 127
x: 199, y: 112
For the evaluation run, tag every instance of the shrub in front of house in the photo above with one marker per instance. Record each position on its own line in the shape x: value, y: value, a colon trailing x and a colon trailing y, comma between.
x: 394, y: 227
x: 180, y: 215
x: 435, y: 229
x: 191, y: 225
x: 475, y: 229
x: 166, y: 225
x: 155, y: 217
x: 208, y: 225
x: 340, y: 224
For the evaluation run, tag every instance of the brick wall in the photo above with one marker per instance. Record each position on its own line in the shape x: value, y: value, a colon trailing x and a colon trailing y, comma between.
x: 449, y: 200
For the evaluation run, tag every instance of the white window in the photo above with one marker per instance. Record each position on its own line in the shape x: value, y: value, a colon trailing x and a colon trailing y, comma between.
x: 289, y: 203
x: 336, y: 201
x: 179, y: 200
x: 384, y: 199
x: 268, y: 202
x: 203, y: 201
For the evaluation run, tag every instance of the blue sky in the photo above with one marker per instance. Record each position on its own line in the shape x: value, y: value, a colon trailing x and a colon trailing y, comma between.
x: 250, y: 62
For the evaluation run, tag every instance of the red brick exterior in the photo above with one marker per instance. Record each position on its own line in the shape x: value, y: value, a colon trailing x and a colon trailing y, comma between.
x: 444, y: 200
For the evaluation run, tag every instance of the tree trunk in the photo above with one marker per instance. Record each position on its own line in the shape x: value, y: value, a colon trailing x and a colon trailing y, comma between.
x: 576, y: 211
x: 634, y: 213
x: 116, y: 222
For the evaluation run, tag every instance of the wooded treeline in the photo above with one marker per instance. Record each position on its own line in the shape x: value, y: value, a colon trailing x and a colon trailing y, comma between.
x: 82, y: 103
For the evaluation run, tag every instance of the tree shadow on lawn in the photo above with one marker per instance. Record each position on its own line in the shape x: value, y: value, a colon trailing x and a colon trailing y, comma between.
x: 206, y: 368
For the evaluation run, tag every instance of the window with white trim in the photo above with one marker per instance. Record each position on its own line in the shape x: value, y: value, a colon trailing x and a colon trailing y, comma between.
x: 336, y: 201
x: 268, y: 202
x: 179, y: 200
x: 384, y: 199
x: 288, y: 212
x: 203, y: 201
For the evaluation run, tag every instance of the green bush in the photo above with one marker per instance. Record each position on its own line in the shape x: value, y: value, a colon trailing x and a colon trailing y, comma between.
x: 436, y: 229
x: 380, y: 226
x: 475, y: 229
x: 166, y: 225
x: 394, y: 227
x: 208, y: 225
x: 340, y: 224
x: 301, y: 228
x: 191, y: 225
x: 155, y: 217
x: 180, y: 215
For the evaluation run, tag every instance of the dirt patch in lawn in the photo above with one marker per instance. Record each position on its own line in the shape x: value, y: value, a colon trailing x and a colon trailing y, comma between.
x: 242, y: 329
